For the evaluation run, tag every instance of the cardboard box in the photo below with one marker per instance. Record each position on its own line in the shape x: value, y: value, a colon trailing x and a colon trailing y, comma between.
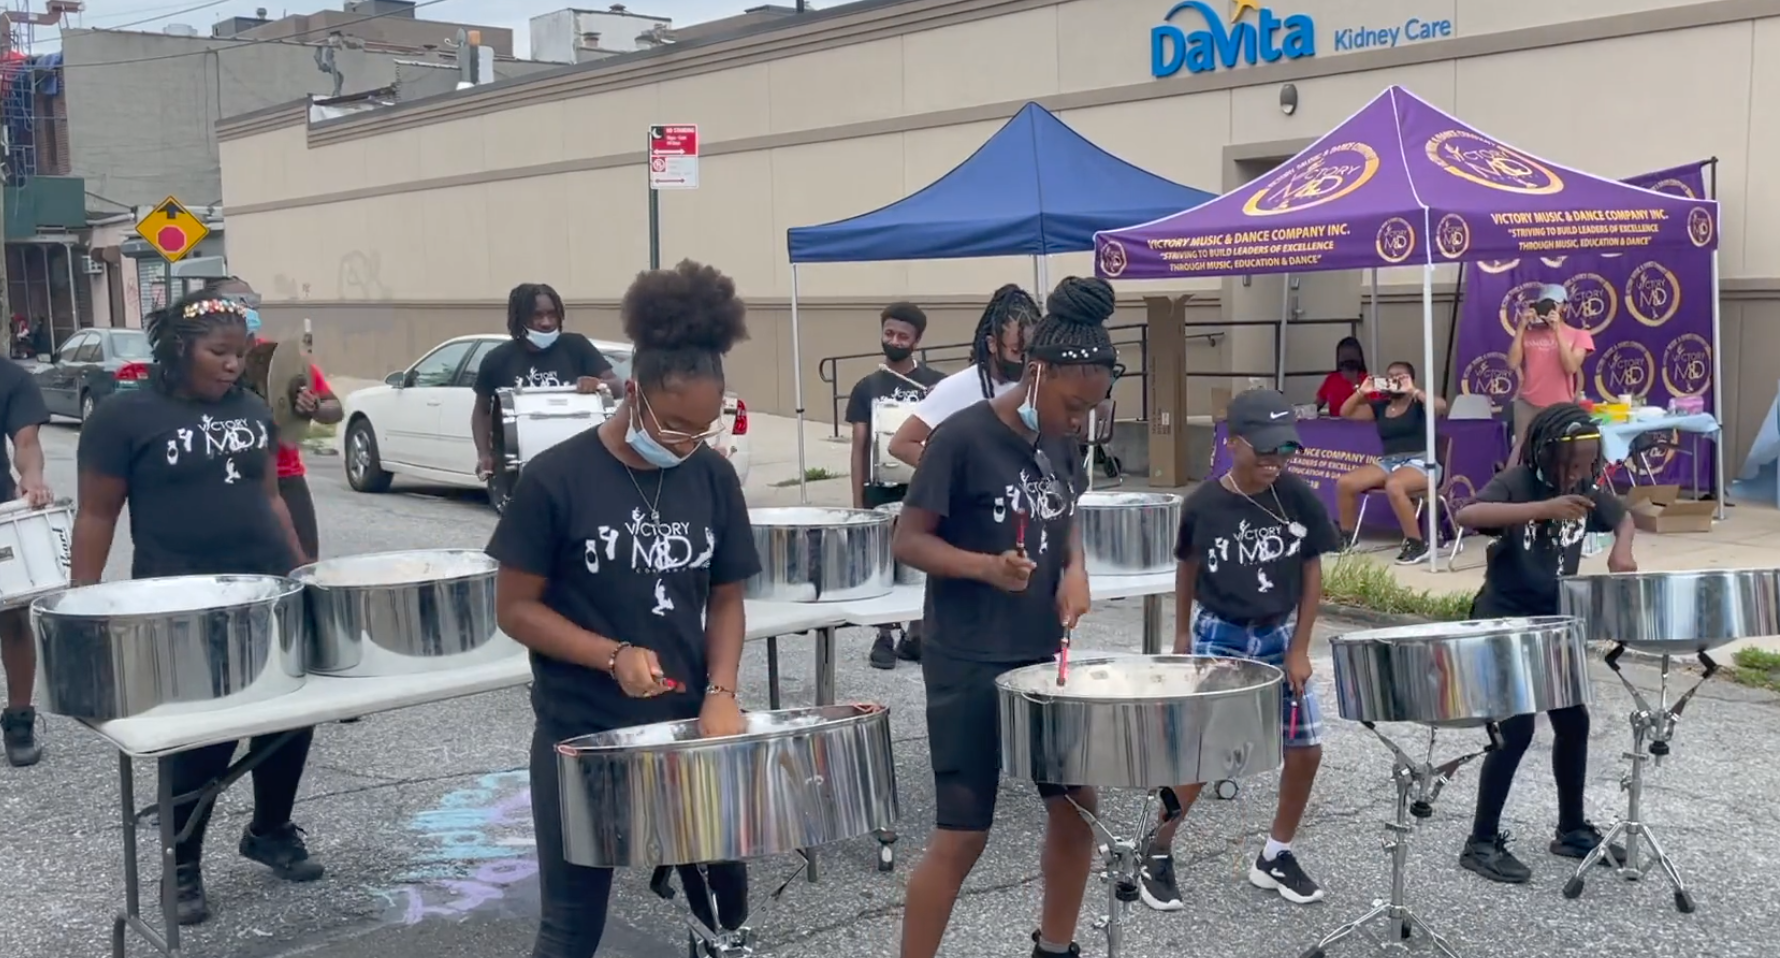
x: 1660, y: 509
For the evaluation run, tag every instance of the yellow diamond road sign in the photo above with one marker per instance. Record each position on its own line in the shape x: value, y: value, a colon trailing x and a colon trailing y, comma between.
x: 172, y: 229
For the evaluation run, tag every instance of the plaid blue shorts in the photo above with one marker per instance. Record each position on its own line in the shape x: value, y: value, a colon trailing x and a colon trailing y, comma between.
x: 1268, y: 644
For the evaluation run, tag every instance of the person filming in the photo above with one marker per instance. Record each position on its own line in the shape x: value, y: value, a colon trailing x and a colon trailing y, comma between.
x: 1399, y: 408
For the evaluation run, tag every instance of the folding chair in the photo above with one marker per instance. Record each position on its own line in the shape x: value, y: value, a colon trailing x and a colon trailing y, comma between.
x: 1097, y: 438
x: 1442, y: 490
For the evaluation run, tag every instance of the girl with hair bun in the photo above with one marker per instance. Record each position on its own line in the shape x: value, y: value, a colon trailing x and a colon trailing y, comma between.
x: 990, y: 518
x: 622, y: 556
x: 193, y: 457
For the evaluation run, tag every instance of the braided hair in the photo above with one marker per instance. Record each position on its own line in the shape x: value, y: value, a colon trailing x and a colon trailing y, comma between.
x: 1543, y: 448
x: 1009, y: 305
x: 174, y: 330
x: 523, y: 302
x: 682, y: 320
x: 1073, y: 331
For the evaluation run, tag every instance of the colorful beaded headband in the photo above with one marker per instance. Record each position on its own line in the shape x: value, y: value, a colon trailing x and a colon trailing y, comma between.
x: 205, y: 307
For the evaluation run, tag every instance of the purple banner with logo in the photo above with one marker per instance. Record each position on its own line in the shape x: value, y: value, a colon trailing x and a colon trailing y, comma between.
x: 1650, y: 314
x: 1335, y: 447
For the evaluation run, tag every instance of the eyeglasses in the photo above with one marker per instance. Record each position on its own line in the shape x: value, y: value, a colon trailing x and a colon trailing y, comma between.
x: 673, y: 436
x: 1283, y: 451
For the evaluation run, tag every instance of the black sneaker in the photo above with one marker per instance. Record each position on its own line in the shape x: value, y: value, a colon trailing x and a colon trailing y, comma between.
x: 1157, y: 887
x: 1284, y: 875
x: 19, y: 729
x: 1490, y: 858
x: 1414, y: 550
x: 908, y: 648
x: 1075, y: 950
x: 190, y: 907
x: 283, y: 851
x: 1578, y: 842
x: 883, y: 651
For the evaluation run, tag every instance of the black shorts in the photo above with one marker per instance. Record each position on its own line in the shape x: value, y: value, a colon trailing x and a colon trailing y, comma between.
x: 964, y: 737
x: 876, y: 496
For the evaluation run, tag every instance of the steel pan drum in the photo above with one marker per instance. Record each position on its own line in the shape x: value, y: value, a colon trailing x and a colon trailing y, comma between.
x: 905, y: 574
x: 1675, y: 613
x: 661, y: 795
x: 811, y: 554
x: 1461, y: 673
x: 1129, y: 533
x: 170, y: 646
x: 1140, y: 721
x: 398, y: 613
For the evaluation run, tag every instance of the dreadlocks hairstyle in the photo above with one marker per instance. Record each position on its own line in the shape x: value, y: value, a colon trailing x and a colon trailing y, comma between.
x: 1073, y: 332
x: 682, y: 320
x: 523, y: 302
x: 1546, y: 434
x: 1009, y: 305
x: 173, y: 330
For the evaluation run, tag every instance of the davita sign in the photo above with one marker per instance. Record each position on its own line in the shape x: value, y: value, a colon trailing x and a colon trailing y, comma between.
x: 1268, y: 39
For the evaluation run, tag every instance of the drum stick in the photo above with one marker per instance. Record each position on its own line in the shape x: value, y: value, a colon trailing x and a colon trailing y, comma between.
x: 309, y: 353
x: 1063, y: 659
x: 1292, y: 723
x: 900, y: 376
x: 1020, y: 532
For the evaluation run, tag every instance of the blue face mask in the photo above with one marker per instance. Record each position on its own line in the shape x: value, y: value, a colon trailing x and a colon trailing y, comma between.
x: 542, y: 340
x: 645, y: 445
x: 253, y: 321
x: 1029, y: 409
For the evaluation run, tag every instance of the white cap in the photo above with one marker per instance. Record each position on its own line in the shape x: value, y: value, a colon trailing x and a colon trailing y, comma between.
x: 1554, y: 292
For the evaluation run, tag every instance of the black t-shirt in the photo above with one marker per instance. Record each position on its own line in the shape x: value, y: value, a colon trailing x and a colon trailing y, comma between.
x: 21, y: 405
x: 196, y: 478
x: 1402, y: 435
x: 577, y: 519
x: 1526, y: 560
x: 516, y: 363
x: 1251, y: 550
x: 975, y: 475
x: 883, y: 385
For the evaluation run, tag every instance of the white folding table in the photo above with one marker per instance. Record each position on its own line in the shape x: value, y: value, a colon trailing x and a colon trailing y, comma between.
x: 325, y: 699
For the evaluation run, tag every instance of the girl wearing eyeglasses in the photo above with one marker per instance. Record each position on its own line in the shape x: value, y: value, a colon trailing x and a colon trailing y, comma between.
x: 622, y: 556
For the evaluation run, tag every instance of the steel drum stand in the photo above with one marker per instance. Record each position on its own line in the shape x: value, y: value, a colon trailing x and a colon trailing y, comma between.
x: 701, y: 941
x: 1122, y: 863
x: 1651, y: 730
x: 1418, y: 785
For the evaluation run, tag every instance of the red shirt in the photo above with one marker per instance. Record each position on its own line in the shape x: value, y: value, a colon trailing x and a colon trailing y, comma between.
x: 1335, y: 390
x: 290, y: 457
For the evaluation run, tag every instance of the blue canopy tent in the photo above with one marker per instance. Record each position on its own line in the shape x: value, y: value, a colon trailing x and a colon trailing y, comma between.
x: 1035, y: 188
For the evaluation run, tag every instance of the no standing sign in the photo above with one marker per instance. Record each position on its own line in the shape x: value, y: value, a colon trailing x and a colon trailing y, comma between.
x: 673, y: 157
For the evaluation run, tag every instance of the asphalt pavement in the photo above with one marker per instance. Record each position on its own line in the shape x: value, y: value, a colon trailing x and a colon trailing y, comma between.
x: 422, y: 818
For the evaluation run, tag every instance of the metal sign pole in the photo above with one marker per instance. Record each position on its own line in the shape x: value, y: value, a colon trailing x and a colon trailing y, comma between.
x: 654, y: 208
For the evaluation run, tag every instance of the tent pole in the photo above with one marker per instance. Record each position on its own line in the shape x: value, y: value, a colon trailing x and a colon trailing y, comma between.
x: 1279, y: 337
x: 1372, y: 324
x: 803, y: 483
x: 1717, y: 392
x: 1432, y: 500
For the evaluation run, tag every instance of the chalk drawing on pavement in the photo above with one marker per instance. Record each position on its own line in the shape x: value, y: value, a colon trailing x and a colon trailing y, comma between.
x: 476, y: 845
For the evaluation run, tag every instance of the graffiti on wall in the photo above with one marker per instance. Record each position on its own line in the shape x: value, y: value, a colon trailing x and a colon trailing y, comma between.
x: 476, y: 846
x: 361, y: 276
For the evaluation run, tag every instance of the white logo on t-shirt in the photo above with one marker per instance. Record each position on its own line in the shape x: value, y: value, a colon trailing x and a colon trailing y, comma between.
x: 656, y: 546
x: 538, y: 378
x: 1256, y: 547
x: 223, y: 438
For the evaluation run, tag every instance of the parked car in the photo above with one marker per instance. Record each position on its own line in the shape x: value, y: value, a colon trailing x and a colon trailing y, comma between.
x: 417, y: 424
x: 91, y: 365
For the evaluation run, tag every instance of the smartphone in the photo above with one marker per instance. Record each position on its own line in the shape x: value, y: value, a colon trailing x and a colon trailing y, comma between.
x: 1381, y: 384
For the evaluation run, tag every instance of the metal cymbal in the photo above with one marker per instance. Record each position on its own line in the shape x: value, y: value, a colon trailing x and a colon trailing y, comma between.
x: 286, y: 374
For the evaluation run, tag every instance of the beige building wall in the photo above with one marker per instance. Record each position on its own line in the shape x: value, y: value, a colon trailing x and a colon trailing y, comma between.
x: 399, y: 228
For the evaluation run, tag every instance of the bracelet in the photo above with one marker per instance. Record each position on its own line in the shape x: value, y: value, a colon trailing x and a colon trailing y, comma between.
x: 715, y: 689
x: 612, y: 663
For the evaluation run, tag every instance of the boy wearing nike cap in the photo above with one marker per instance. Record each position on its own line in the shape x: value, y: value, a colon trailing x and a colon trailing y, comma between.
x: 1250, y: 550
x: 1548, y: 353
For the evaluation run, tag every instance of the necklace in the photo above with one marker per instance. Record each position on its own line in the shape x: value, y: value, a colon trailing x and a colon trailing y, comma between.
x: 660, y: 477
x: 1295, y: 528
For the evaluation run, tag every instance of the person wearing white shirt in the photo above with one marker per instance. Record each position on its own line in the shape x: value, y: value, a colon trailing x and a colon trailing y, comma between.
x: 997, y: 360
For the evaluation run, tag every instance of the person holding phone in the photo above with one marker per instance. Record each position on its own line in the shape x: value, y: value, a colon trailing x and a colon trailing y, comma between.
x: 1548, y: 353
x: 1399, y: 408
x: 1540, y: 510
x: 622, y: 556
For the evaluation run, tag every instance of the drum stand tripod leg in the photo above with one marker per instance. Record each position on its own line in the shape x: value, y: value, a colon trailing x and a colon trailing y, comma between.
x: 1122, y: 862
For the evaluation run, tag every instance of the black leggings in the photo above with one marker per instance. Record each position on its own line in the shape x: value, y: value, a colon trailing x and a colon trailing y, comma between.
x: 575, y: 898
x: 275, y: 782
x: 301, y: 506
x: 1569, y: 765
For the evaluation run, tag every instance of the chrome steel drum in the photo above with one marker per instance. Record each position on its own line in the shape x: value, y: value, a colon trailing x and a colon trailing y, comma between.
x: 811, y: 554
x: 661, y: 795
x: 35, y: 546
x: 171, y: 646
x: 1140, y: 721
x: 1129, y: 533
x: 887, y: 416
x: 535, y: 418
x: 1675, y: 613
x: 905, y: 574
x: 397, y: 613
x: 1461, y: 673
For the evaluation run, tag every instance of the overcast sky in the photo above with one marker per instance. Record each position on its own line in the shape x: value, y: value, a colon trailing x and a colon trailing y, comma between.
x: 156, y: 14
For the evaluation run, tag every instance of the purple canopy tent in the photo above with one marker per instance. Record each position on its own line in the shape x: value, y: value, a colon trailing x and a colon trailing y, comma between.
x: 1402, y: 183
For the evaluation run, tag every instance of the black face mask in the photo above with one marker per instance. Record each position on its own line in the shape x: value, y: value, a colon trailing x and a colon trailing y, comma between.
x: 897, y: 354
x: 1011, y: 371
x: 1350, y: 365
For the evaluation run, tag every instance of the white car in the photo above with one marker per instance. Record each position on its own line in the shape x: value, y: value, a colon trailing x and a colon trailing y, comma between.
x: 417, y: 424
